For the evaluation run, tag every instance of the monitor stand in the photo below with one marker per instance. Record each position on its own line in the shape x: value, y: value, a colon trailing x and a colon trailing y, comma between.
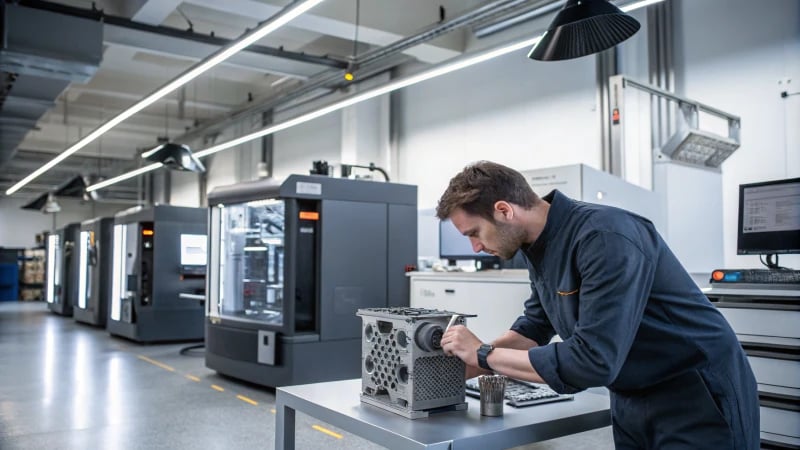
x: 487, y: 264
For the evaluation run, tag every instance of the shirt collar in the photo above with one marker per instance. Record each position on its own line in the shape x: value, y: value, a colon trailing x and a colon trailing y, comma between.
x: 560, y: 208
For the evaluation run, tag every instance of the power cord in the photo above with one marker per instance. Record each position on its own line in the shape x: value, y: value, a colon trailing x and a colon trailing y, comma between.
x: 772, y: 262
x: 187, y: 351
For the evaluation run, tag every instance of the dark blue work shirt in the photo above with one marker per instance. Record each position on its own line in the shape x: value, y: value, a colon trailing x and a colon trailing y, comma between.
x: 629, y: 314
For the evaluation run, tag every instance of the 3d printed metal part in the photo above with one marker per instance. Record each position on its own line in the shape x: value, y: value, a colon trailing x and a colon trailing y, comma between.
x: 403, y: 366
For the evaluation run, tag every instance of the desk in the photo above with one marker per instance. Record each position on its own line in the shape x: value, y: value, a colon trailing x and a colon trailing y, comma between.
x: 338, y: 403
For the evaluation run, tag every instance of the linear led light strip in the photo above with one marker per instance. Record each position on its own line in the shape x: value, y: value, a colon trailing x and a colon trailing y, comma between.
x: 192, y: 73
x: 636, y: 5
x: 460, y: 63
x: 358, y: 98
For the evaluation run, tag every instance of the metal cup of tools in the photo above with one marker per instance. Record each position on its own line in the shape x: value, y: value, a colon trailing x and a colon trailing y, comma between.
x: 493, y: 389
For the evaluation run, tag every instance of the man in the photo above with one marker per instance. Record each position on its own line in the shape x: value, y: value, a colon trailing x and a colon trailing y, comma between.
x: 629, y: 315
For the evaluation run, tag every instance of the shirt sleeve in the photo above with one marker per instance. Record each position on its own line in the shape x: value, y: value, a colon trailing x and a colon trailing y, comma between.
x: 616, y: 277
x: 534, y: 324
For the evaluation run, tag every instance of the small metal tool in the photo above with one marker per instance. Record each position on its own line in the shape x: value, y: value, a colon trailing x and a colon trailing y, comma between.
x: 452, y: 321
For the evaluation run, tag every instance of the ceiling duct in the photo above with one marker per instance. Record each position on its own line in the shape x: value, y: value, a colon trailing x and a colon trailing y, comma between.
x: 41, y: 53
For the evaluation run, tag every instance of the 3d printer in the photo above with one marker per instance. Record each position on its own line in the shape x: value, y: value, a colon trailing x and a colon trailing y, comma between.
x: 290, y: 264
x: 94, y: 271
x: 61, y: 288
x: 158, y: 278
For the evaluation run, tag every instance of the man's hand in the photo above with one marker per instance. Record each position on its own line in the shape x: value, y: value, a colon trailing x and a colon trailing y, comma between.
x: 459, y: 341
x: 510, y: 356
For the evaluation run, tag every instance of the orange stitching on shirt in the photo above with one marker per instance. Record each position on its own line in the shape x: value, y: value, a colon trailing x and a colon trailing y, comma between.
x: 563, y: 294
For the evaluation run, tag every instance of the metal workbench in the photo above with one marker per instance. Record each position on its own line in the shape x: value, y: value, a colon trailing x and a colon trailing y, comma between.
x: 338, y: 404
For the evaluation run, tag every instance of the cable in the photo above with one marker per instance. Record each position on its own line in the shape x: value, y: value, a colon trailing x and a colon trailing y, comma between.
x: 347, y: 170
x: 770, y: 263
x: 187, y: 351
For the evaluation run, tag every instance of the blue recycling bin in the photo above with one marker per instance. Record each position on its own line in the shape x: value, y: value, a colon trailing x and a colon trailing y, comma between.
x: 9, y: 282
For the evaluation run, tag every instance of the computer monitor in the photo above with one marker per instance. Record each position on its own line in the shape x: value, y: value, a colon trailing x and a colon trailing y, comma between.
x: 194, y: 253
x: 454, y: 246
x: 769, y: 217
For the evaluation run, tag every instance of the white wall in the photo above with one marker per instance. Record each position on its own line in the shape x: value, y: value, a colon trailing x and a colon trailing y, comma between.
x: 732, y: 55
x: 512, y: 110
x: 296, y: 148
x: 18, y: 227
x: 184, y: 189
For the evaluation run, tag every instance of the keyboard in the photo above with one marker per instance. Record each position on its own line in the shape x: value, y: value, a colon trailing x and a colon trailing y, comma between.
x: 755, y: 276
x: 521, y: 393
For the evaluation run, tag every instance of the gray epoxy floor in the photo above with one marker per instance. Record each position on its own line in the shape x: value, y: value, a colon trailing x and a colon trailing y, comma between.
x: 65, y: 385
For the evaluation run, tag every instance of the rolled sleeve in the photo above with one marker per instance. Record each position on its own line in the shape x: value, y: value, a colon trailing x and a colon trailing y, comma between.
x: 545, y: 361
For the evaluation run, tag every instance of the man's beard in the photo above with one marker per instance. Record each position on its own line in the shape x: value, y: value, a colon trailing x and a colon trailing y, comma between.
x: 509, y: 240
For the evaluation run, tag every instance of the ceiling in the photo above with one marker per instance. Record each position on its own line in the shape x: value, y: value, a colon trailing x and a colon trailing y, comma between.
x: 146, y: 43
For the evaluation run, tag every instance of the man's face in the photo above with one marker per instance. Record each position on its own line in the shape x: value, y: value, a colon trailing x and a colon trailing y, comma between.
x: 500, y: 238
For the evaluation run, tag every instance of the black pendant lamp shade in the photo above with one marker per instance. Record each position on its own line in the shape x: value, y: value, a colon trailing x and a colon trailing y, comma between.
x: 176, y: 157
x: 582, y: 28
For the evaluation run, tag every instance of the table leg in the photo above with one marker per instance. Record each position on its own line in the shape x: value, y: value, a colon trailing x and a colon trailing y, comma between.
x: 284, y: 427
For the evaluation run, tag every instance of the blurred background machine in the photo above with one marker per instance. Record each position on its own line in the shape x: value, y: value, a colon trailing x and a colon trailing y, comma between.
x: 94, y: 247
x: 61, y: 288
x: 403, y: 367
x: 158, y: 279
x: 292, y: 262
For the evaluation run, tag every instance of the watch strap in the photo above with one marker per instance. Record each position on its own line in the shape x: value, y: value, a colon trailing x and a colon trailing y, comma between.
x: 483, y: 354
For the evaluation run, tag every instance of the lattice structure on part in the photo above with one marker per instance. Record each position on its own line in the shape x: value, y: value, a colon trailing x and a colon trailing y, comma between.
x: 403, y: 367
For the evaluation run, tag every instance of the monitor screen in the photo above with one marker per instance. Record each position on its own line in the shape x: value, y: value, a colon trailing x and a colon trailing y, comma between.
x: 193, y: 250
x: 455, y: 246
x: 769, y: 217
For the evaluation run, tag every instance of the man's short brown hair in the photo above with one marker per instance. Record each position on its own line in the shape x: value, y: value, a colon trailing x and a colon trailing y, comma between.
x: 480, y: 185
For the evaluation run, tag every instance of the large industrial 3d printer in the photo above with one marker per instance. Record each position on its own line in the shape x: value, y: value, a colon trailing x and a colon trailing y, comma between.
x: 61, y: 289
x: 290, y: 264
x: 94, y: 271
x: 159, y: 266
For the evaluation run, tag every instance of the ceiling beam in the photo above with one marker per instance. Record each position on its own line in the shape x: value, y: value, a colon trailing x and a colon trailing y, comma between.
x: 127, y: 32
x: 75, y: 90
x: 427, y: 52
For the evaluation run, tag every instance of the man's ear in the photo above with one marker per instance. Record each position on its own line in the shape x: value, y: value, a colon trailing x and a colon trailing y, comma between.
x: 503, y: 210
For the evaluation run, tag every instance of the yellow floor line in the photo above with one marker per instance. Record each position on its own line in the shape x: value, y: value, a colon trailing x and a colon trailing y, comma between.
x: 193, y: 378
x: 217, y: 388
x: 248, y: 400
x: 326, y: 431
x: 156, y: 363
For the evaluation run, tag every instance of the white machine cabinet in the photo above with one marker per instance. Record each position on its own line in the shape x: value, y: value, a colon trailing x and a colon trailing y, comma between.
x: 767, y: 324
x: 497, y: 297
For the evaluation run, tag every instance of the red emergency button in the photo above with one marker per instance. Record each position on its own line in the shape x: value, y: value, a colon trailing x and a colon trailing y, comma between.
x: 717, y: 275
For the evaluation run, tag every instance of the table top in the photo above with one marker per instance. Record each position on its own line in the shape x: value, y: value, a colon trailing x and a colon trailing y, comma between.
x: 338, y: 403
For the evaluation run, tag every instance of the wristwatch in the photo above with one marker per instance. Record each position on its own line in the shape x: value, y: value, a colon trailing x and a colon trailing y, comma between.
x: 483, y: 353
